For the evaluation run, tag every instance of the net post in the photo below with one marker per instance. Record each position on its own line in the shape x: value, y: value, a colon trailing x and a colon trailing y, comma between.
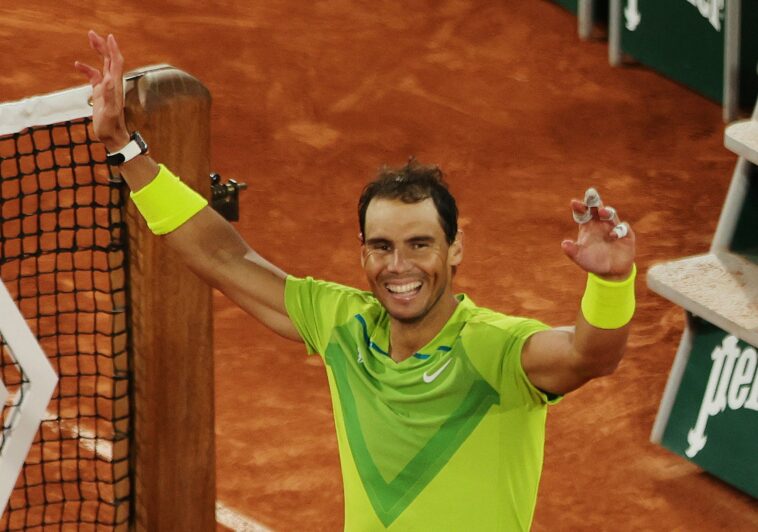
x: 173, y: 450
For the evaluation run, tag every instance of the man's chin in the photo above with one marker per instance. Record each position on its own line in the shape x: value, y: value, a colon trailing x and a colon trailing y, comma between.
x: 408, y: 320
x: 406, y: 316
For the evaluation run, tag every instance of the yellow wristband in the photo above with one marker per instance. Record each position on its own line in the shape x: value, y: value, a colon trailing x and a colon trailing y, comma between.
x: 166, y: 203
x: 609, y: 304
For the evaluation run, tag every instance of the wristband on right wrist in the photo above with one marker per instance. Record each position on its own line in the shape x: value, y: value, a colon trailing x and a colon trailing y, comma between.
x: 166, y: 203
x: 609, y: 304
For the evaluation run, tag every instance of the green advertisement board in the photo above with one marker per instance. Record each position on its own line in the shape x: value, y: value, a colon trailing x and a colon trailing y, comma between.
x: 714, y: 419
x: 748, y: 53
x: 571, y: 5
x: 682, y: 39
x: 745, y: 239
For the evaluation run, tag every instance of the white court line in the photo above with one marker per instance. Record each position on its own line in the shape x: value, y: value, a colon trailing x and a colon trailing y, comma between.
x: 89, y: 440
x: 236, y: 521
x: 104, y: 449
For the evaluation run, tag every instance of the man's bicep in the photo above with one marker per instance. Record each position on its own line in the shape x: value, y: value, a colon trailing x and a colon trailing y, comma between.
x: 211, y: 247
x: 280, y: 324
x: 258, y: 288
x: 270, y: 316
x: 550, y: 362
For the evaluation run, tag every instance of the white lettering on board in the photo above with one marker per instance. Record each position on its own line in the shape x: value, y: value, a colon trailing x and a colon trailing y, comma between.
x: 733, y: 382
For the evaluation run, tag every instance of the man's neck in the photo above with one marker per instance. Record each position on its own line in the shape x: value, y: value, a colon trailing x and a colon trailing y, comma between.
x: 407, y: 338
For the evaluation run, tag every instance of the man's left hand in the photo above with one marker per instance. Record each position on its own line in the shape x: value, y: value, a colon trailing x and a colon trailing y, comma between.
x: 605, y: 245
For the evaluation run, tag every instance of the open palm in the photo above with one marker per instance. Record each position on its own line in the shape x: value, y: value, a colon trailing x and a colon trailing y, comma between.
x: 107, y: 92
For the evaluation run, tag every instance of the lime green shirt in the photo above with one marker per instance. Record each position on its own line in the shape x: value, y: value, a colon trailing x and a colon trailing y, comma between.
x: 449, y: 439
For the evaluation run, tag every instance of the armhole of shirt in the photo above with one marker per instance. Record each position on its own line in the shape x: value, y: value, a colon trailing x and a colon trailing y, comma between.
x: 546, y: 397
x: 289, y: 298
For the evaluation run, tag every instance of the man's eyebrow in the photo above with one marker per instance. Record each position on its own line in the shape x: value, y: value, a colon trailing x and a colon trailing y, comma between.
x: 418, y: 239
x: 377, y: 240
x: 421, y: 239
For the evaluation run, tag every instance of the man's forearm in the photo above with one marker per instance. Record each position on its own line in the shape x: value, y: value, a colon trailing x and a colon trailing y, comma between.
x: 139, y: 172
x: 205, y: 239
x: 201, y: 237
x: 599, y: 350
x: 206, y: 242
x: 602, y: 326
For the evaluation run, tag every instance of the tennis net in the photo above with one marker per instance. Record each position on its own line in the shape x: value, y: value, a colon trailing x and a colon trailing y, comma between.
x: 127, y: 440
x: 63, y: 258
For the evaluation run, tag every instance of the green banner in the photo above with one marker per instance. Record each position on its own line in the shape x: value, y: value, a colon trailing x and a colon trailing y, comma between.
x: 745, y: 239
x: 748, y: 53
x: 682, y: 39
x: 571, y: 5
x: 714, y: 420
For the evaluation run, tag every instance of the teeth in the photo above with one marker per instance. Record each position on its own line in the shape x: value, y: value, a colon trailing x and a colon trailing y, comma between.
x: 403, y: 288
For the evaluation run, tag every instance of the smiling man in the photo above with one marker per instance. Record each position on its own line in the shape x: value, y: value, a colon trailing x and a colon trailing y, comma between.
x: 409, y: 231
x: 439, y: 405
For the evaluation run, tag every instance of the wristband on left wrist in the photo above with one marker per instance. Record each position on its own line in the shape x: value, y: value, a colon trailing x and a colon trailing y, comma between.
x: 609, y: 304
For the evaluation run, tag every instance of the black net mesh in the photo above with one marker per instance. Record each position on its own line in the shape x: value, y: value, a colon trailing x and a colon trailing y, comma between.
x: 63, y: 259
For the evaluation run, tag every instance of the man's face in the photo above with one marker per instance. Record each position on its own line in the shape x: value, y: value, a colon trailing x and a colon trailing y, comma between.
x: 407, y: 260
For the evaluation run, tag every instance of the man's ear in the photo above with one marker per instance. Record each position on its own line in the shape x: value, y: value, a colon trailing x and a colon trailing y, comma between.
x: 363, y: 256
x: 363, y: 250
x: 455, y: 251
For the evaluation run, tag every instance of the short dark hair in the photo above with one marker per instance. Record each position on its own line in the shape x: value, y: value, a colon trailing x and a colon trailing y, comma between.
x: 413, y: 183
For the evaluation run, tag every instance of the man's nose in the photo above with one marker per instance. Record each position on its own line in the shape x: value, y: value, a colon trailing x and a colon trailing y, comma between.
x: 398, y: 262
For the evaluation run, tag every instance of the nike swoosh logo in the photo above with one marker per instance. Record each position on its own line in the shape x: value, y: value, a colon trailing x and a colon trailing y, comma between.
x: 430, y: 378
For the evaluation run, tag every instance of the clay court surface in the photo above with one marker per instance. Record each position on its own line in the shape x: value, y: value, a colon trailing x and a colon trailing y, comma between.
x: 311, y: 98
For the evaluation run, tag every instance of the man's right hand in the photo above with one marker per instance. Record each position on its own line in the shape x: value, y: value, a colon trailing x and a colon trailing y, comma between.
x: 107, y: 92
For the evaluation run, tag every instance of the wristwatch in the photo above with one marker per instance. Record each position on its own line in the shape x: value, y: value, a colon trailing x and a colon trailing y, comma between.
x: 135, y: 146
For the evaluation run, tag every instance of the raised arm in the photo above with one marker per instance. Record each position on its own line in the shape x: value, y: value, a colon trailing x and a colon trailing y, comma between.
x: 206, y: 242
x: 561, y: 360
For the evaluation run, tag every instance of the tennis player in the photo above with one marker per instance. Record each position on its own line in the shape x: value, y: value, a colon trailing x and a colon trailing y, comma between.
x: 439, y: 404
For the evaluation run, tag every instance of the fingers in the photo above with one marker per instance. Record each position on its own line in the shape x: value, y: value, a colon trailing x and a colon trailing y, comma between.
x: 93, y: 75
x: 570, y: 248
x: 592, y: 198
x: 581, y: 212
x: 608, y: 214
x: 97, y: 43
x: 113, y: 65
x: 592, y: 208
x: 622, y: 230
x: 108, y: 49
x: 114, y: 52
x: 116, y: 66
